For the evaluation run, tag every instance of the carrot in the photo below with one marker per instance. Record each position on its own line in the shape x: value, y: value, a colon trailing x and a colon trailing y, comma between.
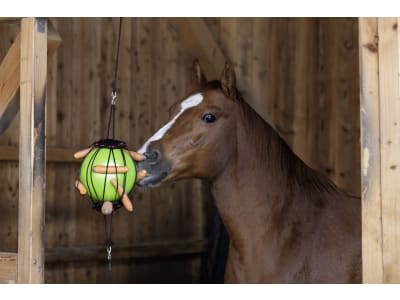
x: 118, y: 187
x: 82, y: 153
x: 137, y: 156
x: 110, y: 169
x: 141, y: 174
x: 126, y: 202
x: 80, y: 187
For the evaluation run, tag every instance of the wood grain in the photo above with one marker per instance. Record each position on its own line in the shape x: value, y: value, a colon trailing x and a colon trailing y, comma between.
x: 32, y: 151
x: 10, y: 153
x: 284, y: 66
x: 8, y: 267
x: 370, y: 152
x: 138, y: 250
x: 389, y: 109
x: 9, y: 84
x: 9, y: 77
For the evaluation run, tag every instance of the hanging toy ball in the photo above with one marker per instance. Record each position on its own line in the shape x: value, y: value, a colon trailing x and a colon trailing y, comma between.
x: 108, y: 174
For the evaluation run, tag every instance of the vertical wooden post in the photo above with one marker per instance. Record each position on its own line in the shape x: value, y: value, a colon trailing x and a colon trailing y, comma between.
x: 32, y: 150
x: 389, y: 109
x: 370, y: 152
x: 380, y: 123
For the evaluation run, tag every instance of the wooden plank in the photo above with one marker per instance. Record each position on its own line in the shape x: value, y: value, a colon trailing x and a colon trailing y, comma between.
x: 88, y: 48
x: 304, y: 91
x: 9, y: 84
x: 53, y: 39
x: 195, y: 36
x: 159, y: 215
x: 32, y: 151
x: 342, y: 91
x: 389, y: 109
x: 53, y: 154
x: 9, y: 19
x: 9, y: 77
x: 370, y: 152
x: 8, y: 267
x: 143, y: 250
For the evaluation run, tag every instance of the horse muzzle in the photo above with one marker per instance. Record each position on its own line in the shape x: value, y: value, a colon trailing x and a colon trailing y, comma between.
x: 156, y: 166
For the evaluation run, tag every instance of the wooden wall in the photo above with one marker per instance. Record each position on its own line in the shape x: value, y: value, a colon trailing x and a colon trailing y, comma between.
x: 301, y: 74
x: 380, y: 114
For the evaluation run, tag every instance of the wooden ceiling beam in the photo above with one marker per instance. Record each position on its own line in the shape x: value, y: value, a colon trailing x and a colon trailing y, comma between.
x: 10, y: 77
x: 197, y: 38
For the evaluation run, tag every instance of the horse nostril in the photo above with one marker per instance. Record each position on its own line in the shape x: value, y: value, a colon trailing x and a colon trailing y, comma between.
x: 153, y: 156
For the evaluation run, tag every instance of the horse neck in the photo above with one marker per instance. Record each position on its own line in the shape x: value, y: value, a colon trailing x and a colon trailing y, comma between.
x: 261, y: 180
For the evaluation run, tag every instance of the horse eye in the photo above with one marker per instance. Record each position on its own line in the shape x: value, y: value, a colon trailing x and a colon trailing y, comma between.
x: 208, y: 118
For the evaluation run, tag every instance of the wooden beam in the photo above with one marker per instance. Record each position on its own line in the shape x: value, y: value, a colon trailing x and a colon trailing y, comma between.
x: 8, y: 261
x: 53, y: 39
x: 9, y: 84
x: 32, y: 151
x: 8, y: 267
x: 8, y: 19
x: 196, y: 37
x: 389, y: 109
x: 380, y: 123
x: 370, y: 152
x: 57, y: 255
x: 9, y: 77
x: 56, y: 155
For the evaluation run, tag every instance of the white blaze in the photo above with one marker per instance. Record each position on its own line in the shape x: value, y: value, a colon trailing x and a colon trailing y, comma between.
x: 192, y: 101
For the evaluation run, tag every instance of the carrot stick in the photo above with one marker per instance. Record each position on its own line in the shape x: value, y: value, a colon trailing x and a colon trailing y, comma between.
x: 118, y: 187
x: 126, y: 202
x: 82, y: 153
x: 110, y: 169
x: 80, y: 187
x: 141, y: 174
x: 137, y: 156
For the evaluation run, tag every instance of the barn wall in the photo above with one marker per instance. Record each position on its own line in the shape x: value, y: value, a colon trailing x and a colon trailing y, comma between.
x: 304, y: 73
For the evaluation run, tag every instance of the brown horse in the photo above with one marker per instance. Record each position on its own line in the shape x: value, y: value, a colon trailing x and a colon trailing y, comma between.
x: 286, y: 222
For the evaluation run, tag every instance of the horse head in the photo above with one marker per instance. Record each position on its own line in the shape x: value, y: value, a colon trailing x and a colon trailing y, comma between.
x: 200, y: 138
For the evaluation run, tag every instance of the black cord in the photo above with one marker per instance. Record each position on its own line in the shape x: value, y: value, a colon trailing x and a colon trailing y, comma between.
x: 114, y: 84
x: 111, y: 119
x: 111, y: 123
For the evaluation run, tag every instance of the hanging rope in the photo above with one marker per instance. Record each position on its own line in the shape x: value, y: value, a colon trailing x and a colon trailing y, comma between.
x: 111, y: 126
x: 111, y: 119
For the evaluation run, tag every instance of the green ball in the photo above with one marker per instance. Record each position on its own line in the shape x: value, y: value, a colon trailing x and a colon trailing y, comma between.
x: 99, y: 186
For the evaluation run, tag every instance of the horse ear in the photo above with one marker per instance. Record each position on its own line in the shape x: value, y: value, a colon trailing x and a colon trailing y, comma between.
x: 228, y: 81
x: 198, y: 79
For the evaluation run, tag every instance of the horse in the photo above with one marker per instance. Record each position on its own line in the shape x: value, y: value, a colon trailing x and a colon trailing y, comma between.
x: 286, y: 222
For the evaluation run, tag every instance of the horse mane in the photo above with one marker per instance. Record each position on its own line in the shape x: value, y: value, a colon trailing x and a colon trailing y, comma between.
x: 274, y: 149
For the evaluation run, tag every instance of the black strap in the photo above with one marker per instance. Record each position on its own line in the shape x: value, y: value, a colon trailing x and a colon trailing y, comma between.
x: 111, y: 119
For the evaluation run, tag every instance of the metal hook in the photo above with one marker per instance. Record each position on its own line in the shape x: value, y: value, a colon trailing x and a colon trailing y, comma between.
x: 109, y: 252
x: 113, y: 97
